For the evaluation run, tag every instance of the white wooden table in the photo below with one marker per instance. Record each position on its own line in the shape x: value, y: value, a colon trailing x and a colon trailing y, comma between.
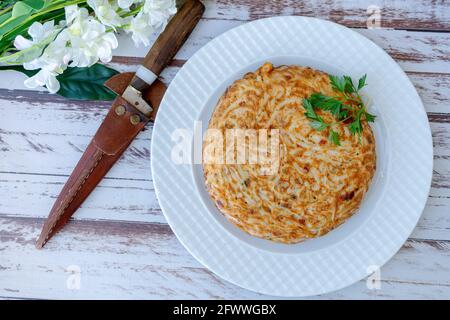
x: 119, y: 244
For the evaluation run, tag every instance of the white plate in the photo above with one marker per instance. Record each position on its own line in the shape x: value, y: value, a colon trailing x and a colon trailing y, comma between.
x: 390, y: 209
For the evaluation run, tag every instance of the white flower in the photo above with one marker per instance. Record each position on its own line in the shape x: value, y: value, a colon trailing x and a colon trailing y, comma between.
x: 83, y: 39
x: 154, y: 15
x: 88, y: 38
x: 106, y: 12
x: 140, y: 29
x: 159, y: 11
x: 125, y: 4
x: 41, y: 35
x: 82, y: 43
x: 52, y: 63
x: 38, y: 32
x: 44, y: 78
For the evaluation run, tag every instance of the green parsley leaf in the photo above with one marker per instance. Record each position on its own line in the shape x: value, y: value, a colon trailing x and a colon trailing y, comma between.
x: 325, y: 103
x: 369, y: 117
x: 334, y: 137
x: 332, y: 105
x: 317, y: 98
x: 348, y: 109
x: 319, y: 125
x: 349, y: 87
x: 355, y: 126
x: 310, y: 113
x: 342, y: 84
x: 343, y: 114
x: 362, y: 82
x: 337, y: 83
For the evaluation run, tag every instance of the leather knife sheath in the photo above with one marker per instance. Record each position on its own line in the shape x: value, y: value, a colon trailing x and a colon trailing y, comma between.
x: 124, y: 120
x: 112, y: 138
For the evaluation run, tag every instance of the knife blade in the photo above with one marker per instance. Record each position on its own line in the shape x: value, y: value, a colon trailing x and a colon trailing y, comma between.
x: 139, y: 95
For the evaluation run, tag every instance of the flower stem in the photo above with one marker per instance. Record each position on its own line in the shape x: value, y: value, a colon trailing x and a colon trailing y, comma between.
x: 132, y: 12
x: 5, y: 10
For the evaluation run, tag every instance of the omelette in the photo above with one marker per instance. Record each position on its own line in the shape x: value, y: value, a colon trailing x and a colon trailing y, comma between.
x: 312, y: 185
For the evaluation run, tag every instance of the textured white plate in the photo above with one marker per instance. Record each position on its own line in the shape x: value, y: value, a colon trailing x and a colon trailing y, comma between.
x: 391, y: 208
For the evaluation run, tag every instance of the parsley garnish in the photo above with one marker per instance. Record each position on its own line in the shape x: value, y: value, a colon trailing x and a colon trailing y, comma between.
x: 347, y: 108
x: 334, y: 137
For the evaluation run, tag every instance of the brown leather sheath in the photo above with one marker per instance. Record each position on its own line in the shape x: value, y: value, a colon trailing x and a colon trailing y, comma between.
x: 111, y: 140
x: 123, y: 121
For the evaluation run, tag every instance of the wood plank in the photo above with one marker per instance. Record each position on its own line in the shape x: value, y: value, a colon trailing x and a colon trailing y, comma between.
x: 434, y: 89
x: 402, y: 14
x: 414, y: 51
x: 114, y: 199
x: 129, y: 260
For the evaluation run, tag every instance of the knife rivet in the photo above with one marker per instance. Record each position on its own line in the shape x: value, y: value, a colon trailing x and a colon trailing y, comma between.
x: 135, y: 119
x: 120, y: 110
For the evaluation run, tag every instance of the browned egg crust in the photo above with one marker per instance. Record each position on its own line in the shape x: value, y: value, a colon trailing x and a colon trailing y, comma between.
x: 317, y: 186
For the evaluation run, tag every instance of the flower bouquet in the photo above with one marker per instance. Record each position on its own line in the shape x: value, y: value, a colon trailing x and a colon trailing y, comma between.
x: 58, y: 44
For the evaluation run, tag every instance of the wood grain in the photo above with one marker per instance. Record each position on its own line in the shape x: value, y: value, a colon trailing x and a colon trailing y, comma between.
x: 149, y: 262
x: 120, y: 239
x: 400, y: 14
x: 423, y: 52
x: 413, y: 50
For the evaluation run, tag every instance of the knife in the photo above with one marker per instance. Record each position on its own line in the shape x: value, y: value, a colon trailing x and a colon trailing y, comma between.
x: 139, y: 96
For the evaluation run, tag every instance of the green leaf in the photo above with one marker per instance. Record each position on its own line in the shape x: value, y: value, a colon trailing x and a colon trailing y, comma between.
x: 337, y: 83
x: 35, y: 4
x: 10, y: 24
x: 20, y: 9
x: 369, y: 117
x: 319, y: 125
x: 336, y: 107
x: 310, y: 113
x: 86, y: 83
x: 6, y: 3
x: 5, y: 17
x: 349, y: 87
x: 317, y: 99
x: 19, y: 26
x: 345, y: 84
x: 26, y: 7
x: 355, y: 126
x: 7, y: 39
x: 362, y: 82
x: 29, y: 73
x: 334, y: 137
x: 80, y: 83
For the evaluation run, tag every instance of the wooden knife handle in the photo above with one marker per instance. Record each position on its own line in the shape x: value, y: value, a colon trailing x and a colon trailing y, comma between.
x: 173, y: 36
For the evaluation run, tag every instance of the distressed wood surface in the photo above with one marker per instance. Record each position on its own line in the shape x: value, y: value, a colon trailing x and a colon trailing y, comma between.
x: 145, y: 260
x: 119, y: 239
x: 399, y: 14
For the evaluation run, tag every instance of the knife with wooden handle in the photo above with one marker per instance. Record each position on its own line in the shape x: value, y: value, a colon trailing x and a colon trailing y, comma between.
x: 139, y: 96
